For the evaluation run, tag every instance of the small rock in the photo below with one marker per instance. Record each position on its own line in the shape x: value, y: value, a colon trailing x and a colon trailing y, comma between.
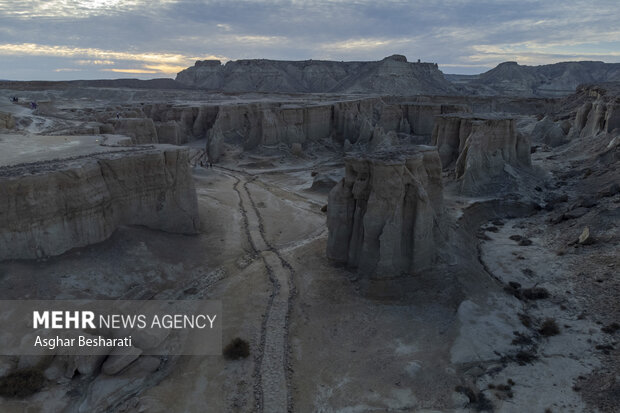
x: 585, y: 238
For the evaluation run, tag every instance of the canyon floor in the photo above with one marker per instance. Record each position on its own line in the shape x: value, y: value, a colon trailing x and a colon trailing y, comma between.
x: 463, y: 336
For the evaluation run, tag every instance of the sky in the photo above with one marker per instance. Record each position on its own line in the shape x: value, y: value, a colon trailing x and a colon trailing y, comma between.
x: 103, y: 39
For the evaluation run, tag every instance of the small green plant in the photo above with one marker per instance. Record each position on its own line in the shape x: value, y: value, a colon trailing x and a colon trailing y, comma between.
x: 238, y: 348
x: 22, y: 383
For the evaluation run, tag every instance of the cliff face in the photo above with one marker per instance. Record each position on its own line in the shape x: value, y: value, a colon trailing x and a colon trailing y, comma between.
x: 392, y: 75
x: 53, y: 206
x: 600, y: 113
x: 483, y: 149
x: 383, y: 217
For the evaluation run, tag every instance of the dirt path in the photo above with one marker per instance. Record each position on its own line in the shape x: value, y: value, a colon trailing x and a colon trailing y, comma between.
x: 272, y: 373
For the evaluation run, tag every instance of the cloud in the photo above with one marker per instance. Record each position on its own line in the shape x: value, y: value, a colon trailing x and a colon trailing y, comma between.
x: 151, y: 62
x: 133, y: 71
x: 85, y: 62
x: 164, y: 35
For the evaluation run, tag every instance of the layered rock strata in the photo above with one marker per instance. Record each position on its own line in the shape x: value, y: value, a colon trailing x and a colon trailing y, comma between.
x: 558, y: 79
x: 392, y: 75
x: 266, y: 122
x: 600, y: 113
x: 383, y: 217
x: 481, y: 148
x: 52, y: 206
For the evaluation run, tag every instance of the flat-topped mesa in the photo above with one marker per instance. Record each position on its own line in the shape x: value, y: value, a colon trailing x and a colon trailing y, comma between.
x: 208, y: 63
x: 392, y: 75
x: 482, y: 148
x: 383, y: 217
x: 53, y: 205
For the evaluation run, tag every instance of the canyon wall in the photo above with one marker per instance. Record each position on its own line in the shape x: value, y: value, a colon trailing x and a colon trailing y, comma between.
x: 599, y: 113
x: 482, y: 149
x: 53, y: 206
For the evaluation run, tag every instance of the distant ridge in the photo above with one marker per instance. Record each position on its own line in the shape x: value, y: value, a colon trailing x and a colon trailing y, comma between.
x: 392, y: 75
x: 558, y: 79
x: 162, y: 83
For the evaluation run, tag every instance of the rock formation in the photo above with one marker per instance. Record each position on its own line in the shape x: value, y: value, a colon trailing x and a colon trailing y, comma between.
x: 483, y: 148
x: 383, y: 217
x: 392, y: 75
x: 600, y: 113
x: 141, y: 130
x: 558, y: 79
x: 6, y: 121
x: 549, y: 132
x: 53, y: 206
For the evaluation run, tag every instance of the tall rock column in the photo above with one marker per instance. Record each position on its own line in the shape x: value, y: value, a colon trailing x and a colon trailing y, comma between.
x: 384, y: 216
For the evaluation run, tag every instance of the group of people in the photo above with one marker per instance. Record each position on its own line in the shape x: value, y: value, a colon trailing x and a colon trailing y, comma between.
x: 33, y: 104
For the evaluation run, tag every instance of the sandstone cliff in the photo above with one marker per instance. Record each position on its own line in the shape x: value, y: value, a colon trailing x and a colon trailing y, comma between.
x: 599, y: 112
x: 52, y: 206
x: 383, y: 217
x: 392, y: 75
x: 484, y: 149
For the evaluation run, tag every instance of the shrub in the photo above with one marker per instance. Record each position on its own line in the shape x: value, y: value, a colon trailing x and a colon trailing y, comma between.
x: 236, y: 349
x: 477, y: 400
x: 22, y: 383
x: 525, y: 357
x: 610, y: 329
x: 549, y: 328
x: 535, y: 293
x: 526, y: 320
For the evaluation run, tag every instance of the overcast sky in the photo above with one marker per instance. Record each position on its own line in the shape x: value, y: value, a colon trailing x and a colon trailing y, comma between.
x: 81, y: 39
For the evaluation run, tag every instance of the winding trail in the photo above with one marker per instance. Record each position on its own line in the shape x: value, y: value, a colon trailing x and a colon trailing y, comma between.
x: 272, y: 371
